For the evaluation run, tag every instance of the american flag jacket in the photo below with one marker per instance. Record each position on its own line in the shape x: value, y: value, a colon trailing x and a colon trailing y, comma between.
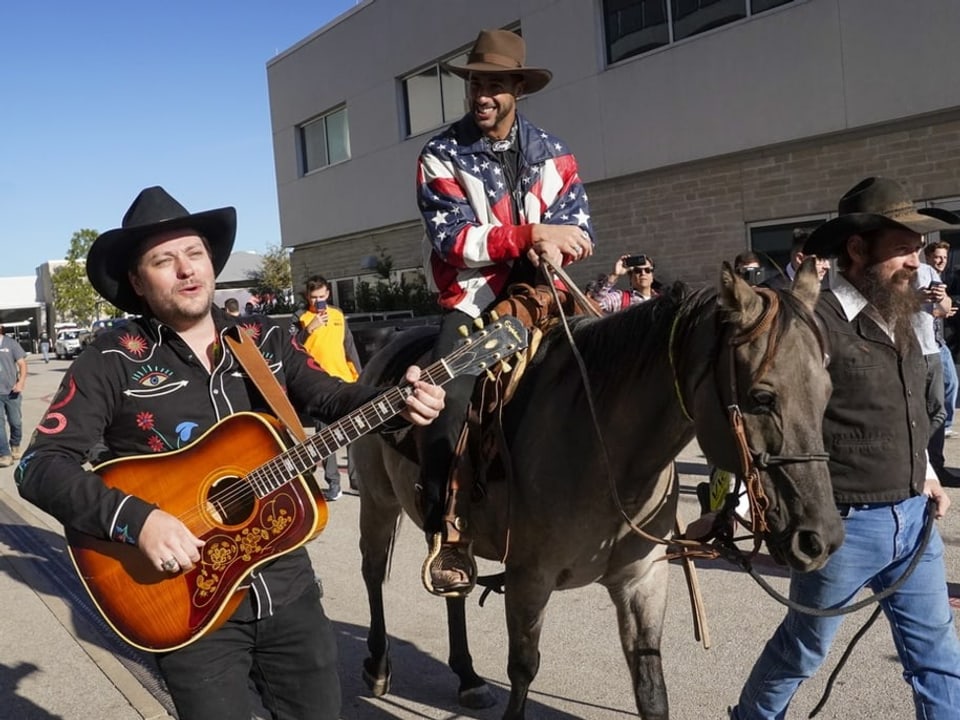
x: 470, y: 239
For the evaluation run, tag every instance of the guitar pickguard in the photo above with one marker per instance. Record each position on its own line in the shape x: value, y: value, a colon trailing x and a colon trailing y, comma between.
x: 227, y: 554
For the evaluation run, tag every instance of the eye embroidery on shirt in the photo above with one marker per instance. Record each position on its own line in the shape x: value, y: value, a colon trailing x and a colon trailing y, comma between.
x: 154, y: 381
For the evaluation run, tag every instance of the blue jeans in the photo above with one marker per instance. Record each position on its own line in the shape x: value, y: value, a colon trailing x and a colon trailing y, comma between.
x: 950, y: 385
x: 879, y: 544
x: 10, y: 412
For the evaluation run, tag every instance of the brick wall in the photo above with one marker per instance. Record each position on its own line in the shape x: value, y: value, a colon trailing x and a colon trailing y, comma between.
x: 693, y: 216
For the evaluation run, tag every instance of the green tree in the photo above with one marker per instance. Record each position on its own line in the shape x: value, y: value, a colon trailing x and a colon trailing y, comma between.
x: 273, y: 281
x: 73, y: 295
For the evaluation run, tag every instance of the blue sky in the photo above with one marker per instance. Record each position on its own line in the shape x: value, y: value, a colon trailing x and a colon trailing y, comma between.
x: 101, y: 99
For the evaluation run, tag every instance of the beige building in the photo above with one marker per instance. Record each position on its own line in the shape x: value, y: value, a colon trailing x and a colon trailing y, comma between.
x: 701, y: 127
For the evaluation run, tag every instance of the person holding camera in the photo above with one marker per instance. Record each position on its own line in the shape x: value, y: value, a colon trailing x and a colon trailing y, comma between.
x: 747, y: 266
x: 640, y: 268
x: 322, y: 330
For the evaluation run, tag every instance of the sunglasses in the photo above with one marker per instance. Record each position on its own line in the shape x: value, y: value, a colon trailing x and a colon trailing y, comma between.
x: 642, y: 271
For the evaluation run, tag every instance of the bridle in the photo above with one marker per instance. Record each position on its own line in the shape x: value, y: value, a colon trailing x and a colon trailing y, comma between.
x: 751, y: 462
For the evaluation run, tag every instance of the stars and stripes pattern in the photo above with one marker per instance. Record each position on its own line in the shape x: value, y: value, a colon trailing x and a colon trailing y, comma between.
x: 470, y: 238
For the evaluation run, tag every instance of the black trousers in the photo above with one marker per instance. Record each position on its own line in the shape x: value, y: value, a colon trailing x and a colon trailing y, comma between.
x: 440, y: 437
x: 291, y: 658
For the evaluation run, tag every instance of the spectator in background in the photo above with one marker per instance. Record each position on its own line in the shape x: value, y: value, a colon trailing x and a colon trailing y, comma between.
x: 249, y: 309
x: 13, y: 374
x: 784, y: 279
x: 641, y: 269
x: 231, y: 306
x: 322, y: 330
x: 934, y: 303
x: 937, y: 254
x: 747, y: 266
x: 45, y: 347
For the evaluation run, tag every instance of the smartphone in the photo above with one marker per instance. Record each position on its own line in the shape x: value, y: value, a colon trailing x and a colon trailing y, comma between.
x: 319, y: 306
x: 634, y: 260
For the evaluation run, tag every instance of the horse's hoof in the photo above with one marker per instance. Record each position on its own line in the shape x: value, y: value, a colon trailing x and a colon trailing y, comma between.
x: 379, y: 685
x: 477, y: 698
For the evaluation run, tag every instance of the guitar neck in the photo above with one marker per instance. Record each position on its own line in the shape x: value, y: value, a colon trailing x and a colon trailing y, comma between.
x: 368, y: 417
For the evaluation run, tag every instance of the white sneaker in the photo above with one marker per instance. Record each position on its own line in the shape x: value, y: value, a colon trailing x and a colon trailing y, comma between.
x: 6, y: 461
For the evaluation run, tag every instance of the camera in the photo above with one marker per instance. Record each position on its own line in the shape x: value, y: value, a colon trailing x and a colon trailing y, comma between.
x: 635, y: 261
x: 753, y: 275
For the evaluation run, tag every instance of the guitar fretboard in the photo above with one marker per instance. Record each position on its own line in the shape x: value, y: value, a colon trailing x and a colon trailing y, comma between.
x: 502, y: 340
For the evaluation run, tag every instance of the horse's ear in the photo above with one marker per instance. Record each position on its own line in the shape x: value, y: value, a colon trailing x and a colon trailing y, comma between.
x: 740, y: 302
x: 806, y: 283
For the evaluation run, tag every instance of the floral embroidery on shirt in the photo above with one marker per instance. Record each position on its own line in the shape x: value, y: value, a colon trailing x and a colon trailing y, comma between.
x: 133, y: 344
x: 185, y: 430
x: 145, y: 420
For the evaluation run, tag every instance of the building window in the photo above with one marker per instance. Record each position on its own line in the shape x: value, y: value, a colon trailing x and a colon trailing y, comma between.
x: 434, y: 96
x: 324, y: 141
x: 772, y: 242
x: 692, y: 17
x: 633, y: 27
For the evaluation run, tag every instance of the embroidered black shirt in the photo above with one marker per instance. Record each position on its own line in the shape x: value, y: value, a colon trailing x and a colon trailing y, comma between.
x: 140, y: 390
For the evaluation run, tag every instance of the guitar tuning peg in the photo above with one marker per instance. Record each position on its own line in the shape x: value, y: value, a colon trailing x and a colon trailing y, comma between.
x: 494, y: 315
x: 505, y: 366
x: 464, y: 330
x: 490, y: 376
x: 478, y: 322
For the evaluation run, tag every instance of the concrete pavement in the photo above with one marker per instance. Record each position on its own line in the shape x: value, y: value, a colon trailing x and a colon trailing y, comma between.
x: 59, y: 660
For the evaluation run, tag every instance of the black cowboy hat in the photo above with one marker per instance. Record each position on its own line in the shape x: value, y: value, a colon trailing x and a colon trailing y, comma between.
x: 872, y: 204
x: 153, y: 212
x: 502, y: 51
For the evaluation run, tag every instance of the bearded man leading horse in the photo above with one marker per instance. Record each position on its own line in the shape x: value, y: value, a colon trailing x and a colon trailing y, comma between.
x: 658, y: 373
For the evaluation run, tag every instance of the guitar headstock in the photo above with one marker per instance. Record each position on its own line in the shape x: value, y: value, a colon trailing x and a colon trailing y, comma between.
x: 483, y: 349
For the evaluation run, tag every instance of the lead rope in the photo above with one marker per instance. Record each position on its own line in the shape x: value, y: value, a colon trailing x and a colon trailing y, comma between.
x: 701, y: 631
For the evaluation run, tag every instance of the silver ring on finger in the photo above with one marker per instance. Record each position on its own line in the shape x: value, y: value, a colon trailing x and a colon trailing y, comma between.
x: 170, y: 565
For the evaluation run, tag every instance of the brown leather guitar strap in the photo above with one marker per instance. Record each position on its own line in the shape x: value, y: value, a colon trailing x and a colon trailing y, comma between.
x: 259, y: 373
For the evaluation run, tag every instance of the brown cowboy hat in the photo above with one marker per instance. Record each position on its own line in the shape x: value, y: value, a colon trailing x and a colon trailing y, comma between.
x: 872, y: 204
x: 502, y: 51
x: 153, y: 212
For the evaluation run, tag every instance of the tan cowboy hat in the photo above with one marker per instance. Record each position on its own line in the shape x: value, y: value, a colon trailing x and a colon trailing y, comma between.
x: 872, y: 204
x: 502, y: 51
x: 153, y: 212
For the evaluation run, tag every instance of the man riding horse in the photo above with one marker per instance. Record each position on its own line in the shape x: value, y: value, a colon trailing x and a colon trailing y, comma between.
x: 495, y: 193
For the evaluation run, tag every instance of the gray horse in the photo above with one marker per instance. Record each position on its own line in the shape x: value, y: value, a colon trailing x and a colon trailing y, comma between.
x: 658, y: 373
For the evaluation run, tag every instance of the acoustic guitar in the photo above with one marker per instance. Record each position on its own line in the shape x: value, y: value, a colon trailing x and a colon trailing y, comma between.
x: 249, y: 497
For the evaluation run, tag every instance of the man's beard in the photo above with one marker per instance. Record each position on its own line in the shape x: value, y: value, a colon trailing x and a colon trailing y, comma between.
x: 894, y: 298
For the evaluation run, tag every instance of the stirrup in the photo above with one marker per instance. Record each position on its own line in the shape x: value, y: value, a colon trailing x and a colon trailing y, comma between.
x: 456, y: 557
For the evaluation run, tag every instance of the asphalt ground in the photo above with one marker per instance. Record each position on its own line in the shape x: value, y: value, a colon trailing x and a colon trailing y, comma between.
x: 59, y: 660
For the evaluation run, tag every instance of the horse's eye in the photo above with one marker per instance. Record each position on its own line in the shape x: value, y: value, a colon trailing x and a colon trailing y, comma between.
x: 763, y: 401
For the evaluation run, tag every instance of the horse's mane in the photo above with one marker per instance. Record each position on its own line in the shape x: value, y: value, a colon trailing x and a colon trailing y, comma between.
x: 624, y: 345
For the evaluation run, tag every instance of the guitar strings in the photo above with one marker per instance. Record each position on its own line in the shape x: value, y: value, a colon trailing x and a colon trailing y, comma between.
x: 265, y: 476
x: 274, y: 474
x: 439, y: 372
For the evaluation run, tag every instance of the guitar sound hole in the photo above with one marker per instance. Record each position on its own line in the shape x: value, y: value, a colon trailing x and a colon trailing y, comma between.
x: 231, y: 501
